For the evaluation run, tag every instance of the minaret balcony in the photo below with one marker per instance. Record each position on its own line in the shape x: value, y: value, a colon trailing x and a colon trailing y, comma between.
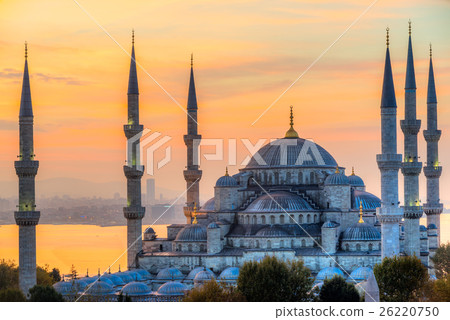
x: 410, y: 127
x: 131, y: 130
x: 134, y: 212
x: 192, y: 175
x: 132, y: 172
x: 389, y: 161
x: 26, y: 168
x: 432, y: 171
x: 411, y: 168
x: 433, y: 208
x: 412, y: 212
x: 189, y: 138
x: 432, y: 135
x: 27, y: 218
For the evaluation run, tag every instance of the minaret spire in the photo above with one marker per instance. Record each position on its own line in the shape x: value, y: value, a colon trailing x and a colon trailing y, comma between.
x: 26, y: 169
x: 133, y: 170
x: 411, y: 167
x: 389, y: 163
x: 192, y: 139
x: 291, y: 133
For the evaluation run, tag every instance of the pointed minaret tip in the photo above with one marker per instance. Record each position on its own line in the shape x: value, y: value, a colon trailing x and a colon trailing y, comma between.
x: 133, y: 87
x: 192, y: 60
x: 26, y: 50
x: 387, y: 37
x: 410, y: 81
x: 431, y: 51
x: 132, y: 37
x: 431, y: 94
x: 409, y: 26
x: 388, y: 92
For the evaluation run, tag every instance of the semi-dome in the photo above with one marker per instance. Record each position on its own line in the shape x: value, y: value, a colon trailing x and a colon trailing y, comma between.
x: 195, y: 271
x: 360, y: 274
x: 230, y: 273
x: 144, y: 274
x: 172, y: 288
x: 116, y: 280
x: 329, y: 273
x: 368, y: 200
x: 336, y: 179
x: 354, y: 180
x: 361, y: 232
x: 149, y: 230
x: 330, y: 224
x: 213, y: 225
x: 208, y: 206
x: 192, y: 232
x: 299, y: 153
x: 136, y: 289
x: 280, y: 201
x: 272, y: 231
x: 432, y: 226
x: 169, y: 274
x: 100, y: 288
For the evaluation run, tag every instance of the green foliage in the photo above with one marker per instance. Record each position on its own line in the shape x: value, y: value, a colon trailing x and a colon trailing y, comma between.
x: 401, y: 279
x: 441, y: 260
x: 9, y: 275
x: 45, y: 294
x: 11, y: 295
x: 441, y: 290
x: 43, y: 276
x: 338, y: 290
x: 55, y: 275
x: 212, y: 291
x: 275, y: 280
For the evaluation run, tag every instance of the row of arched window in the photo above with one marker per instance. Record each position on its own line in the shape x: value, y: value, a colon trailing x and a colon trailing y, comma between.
x: 359, y: 247
x: 190, y: 248
x: 279, y: 218
x: 268, y: 244
x: 275, y: 178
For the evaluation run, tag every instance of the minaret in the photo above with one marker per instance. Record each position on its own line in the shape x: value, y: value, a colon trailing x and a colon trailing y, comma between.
x: 26, y: 169
x: 192, y: 174
x: 389, y: 163
x: 133, y: 170
x: 411, y: 167
x: 433, y: 207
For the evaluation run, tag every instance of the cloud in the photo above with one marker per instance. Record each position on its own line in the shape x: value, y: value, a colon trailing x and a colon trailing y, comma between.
x: 9, y: 73
x: 67, y: 80
x: 6, y: 125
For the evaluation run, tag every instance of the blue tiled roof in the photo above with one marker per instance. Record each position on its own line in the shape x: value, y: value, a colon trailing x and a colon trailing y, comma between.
x: 279, y: 201
x: 361, y: 232
x: 369, y: 201
x: 192, y: 232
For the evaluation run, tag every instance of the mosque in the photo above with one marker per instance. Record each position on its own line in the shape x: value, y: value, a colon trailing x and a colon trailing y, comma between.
x: 292, y: 200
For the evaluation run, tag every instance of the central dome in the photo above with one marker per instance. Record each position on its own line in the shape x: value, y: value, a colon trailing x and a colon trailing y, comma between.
x: 291, y: 152
x: 279, y: 201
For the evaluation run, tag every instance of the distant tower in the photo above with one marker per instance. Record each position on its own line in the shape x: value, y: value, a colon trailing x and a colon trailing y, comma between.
x: 150, y: 194
x: 192, y: 174
x: 389, y: 163
x: 133, y: 170
x: 26, y: 169
x: 411, y: 167
x: 433, y: 207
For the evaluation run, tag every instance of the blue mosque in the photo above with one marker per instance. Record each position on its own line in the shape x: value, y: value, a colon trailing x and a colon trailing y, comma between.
x: 293, y: 201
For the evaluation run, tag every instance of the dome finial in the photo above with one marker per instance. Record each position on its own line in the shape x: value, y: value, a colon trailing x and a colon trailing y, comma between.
x: 387, y: 36
x: 431, y: 50
x: 409, y: 22
x: 132, y: 37
x: 192, y: 60
x: 226, y: 172
x: 87, y: 273
x: 194, y: 213
x: 353, y: 171
x: 360, y: 213
x: 26, y: 50
x: 119, y: 268
x: 291, y: 133
x: 337, y: 169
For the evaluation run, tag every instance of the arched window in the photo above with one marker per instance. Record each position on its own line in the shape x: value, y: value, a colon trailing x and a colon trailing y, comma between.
x: 257, y: 243
x: 288, y: 178
x: 300, y: 178
x: 311, y: 177
x: 379, y: 246
x: 265, y: 178
x: 277, y: 178
x: 241, y: 243
x: 254, y: 220
x: 202, y: 247
x: 190, y: 247
x: 270, y: 179
x: 281, y: 243
x: 281, y: 219
x: 292, y: 243
x: 308, y: 218
x: 370, y: 247
x: 272, y: 219
x: 269, y: 244
x: 231, y: 242
x: 315, y: 218
x: 160, y: 247
x: 358, y: 247
x: 300, y: 218
x: 347, y: 247
x: 263, y: 219
x: 303, y: 243
x: 179, y: 247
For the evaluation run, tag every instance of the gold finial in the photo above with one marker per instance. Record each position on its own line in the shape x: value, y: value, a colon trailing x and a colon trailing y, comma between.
x: 26, y: 50
x: 226, y: 172
x: 132, y: 37
x: 194, y: 213
x: 192, y: 60
x: 291, y: 133
x: 409, y: 22
x: 99, y: 272
x: 431, y: 51
x: 119, y: 268
x: 387, y: 36
x: 353, y: 171
x: 87, y: 273
x: 360, y: 213
x: 337, y: 169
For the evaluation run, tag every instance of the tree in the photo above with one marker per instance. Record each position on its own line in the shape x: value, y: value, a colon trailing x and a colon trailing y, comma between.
x: 212, y: 291
x: 11, y: 295
x: 121, y: 298
x: 55, y: 275
x: 441, y: 260
x: 441, y: 290
x: 338, y: 290
x: 9, y: 275
x: 43, y: 276
x: 275, y: 280
x: 45, y: 294
x: 401, y: 279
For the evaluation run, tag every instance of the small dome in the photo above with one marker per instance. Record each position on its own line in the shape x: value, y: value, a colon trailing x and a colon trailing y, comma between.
x: 192, y: 232
x: 136, y: 289
x: 213, y: 225
x: 208, y: 206
x: 329, y: 273
x: 377, y: 223
x: 361, y: 232
x: 355, y: 181
x: 230, y: 273
x: 169, y: 274
x: 204, y: 276
x: 194, y: 272
x: 360, y: 274
x: 100, y: 288
x: 172, y: 288
x: 336, y: 179
x: 126, y: 277
x: 280, y: 201
x: 226, y: 181
x: 149, y: 230
x: 89, y: 280
x: 432, y: 226
x: 272, y: 231
x: 422, y: 228
x: 134, y: 275
x: 330, y: 224
x: 144, y: 274
x: 80, y: 284
x: 116, y: 280
x: 104, y: 279
x: 65, y: 288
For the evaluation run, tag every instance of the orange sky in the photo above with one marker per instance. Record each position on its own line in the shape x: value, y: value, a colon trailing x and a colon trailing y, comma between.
x: 246, y: 54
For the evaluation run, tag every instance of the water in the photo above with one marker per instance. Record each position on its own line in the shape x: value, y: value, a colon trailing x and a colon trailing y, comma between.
x: 95, y: 247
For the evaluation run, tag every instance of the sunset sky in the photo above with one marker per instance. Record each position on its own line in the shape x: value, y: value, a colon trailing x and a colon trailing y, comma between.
x: 246, y: 53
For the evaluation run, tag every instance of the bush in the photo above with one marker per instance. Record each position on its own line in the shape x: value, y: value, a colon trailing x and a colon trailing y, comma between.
x: 212, y: 291
x: 45, y: 294
x: 11, y: 295
x: 338, y: 290
x: 441, y: 260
